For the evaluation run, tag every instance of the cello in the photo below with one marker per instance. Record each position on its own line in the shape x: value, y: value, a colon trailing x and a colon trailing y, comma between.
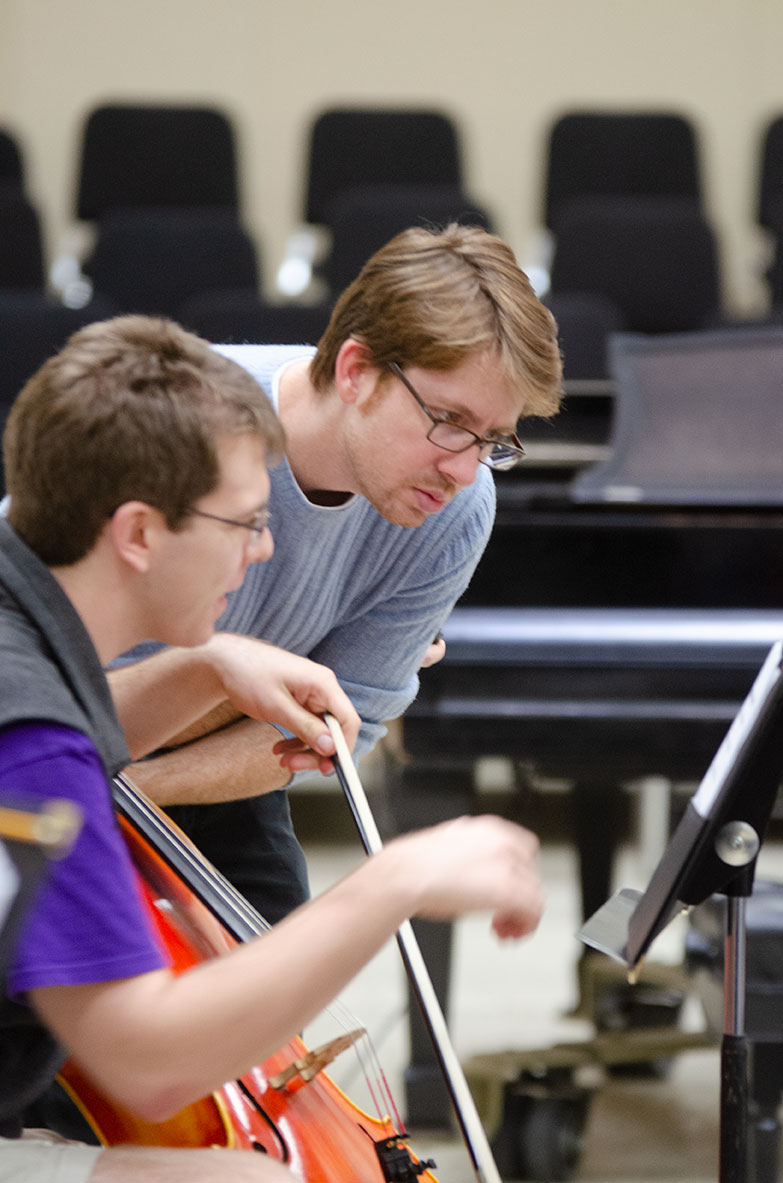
x: 246, y: 1113
x: 288, y: 1106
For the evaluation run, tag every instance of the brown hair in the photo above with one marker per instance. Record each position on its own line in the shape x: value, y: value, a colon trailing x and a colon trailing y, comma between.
x: 130, y: 409
x: 430, y: 298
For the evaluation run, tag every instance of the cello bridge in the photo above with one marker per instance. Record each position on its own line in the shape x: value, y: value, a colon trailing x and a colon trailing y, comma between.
x: 305, y: 1068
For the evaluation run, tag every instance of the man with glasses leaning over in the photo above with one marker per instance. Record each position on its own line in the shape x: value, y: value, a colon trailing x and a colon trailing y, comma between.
x: 380, y: 512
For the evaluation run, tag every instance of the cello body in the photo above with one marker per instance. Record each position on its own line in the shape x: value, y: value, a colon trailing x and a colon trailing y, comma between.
x: 286, y: 1107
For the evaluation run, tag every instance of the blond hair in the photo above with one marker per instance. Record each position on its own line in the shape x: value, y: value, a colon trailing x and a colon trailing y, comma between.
x: 431, y: 298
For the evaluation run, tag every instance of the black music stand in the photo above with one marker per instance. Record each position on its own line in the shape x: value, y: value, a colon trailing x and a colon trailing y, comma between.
x: 714, y: 849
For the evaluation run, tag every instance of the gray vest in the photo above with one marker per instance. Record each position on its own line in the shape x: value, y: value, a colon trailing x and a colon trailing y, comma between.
x: 49, y: 671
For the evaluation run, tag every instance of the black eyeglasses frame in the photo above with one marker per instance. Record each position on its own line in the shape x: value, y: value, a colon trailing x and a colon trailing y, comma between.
x: 510, y: 446
x: 259, y: 523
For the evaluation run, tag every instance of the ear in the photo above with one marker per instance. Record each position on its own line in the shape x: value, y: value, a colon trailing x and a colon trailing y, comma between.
x: 135, y: 527
x: 355, y: 373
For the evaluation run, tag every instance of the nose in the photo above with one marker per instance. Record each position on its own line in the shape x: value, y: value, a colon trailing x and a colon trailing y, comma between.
x: 459, y: 467
x: 262, y: 549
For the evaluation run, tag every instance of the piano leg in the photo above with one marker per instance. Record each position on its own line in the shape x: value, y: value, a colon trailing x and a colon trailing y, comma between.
x: 596, y: 811
x: 427, y: 1101
x: 595, y: 826
x: 418, y: 795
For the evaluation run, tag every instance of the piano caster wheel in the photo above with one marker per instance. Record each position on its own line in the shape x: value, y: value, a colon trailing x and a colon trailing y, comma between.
x: 541, y: 1134
x: 640, y: 1007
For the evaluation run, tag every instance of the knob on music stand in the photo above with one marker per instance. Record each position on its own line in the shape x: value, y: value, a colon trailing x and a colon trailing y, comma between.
x: 714, y: 849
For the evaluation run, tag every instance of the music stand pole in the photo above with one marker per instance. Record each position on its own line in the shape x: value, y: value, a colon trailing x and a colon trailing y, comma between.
x: 736, y: 1049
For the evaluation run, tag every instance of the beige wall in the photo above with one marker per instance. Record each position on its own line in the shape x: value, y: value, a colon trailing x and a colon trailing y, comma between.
x: 504, y: 68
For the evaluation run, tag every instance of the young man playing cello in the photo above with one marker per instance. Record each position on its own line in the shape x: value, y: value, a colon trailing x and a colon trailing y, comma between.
x: 136, y: 462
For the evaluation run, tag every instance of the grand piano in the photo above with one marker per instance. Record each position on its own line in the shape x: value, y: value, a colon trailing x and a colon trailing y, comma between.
x: 631, y: 589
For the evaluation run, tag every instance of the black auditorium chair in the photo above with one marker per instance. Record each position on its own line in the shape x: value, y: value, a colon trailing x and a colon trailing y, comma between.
x: 620, y: 154
x: 558, y: 447
x: 32, y: 329
x: 774, y: 274
x: 585, y: 321
x: 152, y: 260
x: 698, y: 420
x: 147, y: 155
x: 21, y: 243
x: 245, y: 317
x: 11, y: 162
x: 364, y: 218
x: 770, y: 179
x: 353, y: 146
x: 655, y: 258
x: 769, y: 213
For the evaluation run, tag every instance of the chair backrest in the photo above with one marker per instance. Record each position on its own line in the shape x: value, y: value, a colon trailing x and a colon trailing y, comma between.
x: 774, y: 272
x: 151, y: 261
x: 21, y: 242
x: 11, y: 163
x: 363, y: 219
x: 770, y: 203
x: 656, y: 259
x: 770, y: 179
x: 32, y: 329
x: 244, y: 317
x: 584, y: 324
x: 378, y: 146
x: 698, y: 420
x: 616, y: 153
x: 155, y: 156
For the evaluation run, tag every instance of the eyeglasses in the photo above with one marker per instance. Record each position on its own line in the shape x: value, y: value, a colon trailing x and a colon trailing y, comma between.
x: 256, y: 527
x: 499, y: 454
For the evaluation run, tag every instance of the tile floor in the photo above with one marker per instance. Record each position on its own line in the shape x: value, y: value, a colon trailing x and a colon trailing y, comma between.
x: 519, y: 997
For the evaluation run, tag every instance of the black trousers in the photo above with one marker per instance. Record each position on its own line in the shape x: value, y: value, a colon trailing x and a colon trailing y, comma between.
x: 252, y: 843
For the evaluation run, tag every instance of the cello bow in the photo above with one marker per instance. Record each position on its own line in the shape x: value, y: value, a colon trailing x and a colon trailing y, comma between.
x: 473, y: 1132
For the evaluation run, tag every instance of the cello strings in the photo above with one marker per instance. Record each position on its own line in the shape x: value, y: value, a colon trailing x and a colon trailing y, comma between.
x: 241, y: 919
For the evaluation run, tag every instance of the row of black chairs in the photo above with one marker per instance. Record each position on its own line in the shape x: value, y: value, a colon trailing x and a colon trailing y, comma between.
x: 190, y: 158
x: 623, y: 196
x: 151, y: 259
x: 199, y: 267
x: 159, y: 187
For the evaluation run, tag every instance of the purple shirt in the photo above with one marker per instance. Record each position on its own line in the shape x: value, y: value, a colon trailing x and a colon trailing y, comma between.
x: 88, y: 923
